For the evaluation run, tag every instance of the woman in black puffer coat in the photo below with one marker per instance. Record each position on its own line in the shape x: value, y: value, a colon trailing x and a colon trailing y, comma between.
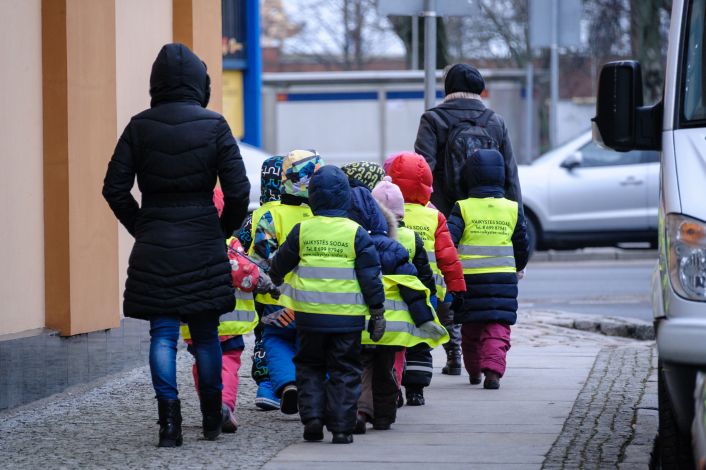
x: 178, y: 268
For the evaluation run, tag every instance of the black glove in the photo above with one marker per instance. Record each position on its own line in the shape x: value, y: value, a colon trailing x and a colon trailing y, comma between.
x: 376, y: 324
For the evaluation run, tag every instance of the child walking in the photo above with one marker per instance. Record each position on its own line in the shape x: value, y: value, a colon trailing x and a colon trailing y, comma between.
x: 411, y: 173
x: 490, y: 233
x: 378, y: 400
x: 279, y: 335
x: 335, y: 283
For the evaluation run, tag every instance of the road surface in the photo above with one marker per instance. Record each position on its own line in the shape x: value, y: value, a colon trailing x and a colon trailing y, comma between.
x: 617, y: 288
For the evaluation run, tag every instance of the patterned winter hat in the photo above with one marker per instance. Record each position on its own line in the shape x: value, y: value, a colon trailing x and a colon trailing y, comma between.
x: 366, y: 174
x: 297, y: 169
x: 271, y: 179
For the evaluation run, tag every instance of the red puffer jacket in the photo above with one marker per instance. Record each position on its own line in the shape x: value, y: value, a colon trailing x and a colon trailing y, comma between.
x: 411, y: 173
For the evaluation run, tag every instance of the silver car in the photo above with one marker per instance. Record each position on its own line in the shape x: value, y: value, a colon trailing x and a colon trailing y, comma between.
x: 582, y: 195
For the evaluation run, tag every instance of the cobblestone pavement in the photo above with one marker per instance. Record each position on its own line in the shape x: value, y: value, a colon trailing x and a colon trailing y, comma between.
x: 614, y: 419
x: 114, y: 426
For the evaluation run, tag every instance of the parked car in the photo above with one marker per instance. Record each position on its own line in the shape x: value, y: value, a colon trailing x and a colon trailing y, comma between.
x: 675, y: 126
x: 580, y: 194
x: 253, y: 158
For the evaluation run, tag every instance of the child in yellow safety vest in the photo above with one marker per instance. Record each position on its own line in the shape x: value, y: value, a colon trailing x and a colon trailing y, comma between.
x: 490, y: 233
x: 247, y: 278
x: 332, y: 283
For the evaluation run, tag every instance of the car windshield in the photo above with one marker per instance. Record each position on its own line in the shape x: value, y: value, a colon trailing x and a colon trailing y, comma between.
x: 693, y: 105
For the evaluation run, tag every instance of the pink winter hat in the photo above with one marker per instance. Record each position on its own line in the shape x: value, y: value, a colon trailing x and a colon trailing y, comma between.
x: 389, y: 195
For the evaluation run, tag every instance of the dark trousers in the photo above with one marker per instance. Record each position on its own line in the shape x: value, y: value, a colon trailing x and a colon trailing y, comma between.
x: 378, y: 398
x: 419, y: 368
x: 328, y: 378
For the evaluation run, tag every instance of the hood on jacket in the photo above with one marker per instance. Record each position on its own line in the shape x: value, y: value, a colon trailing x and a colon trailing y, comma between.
x: 483, y: 174
x: 271, y: 179
x: 412, y: 174
x: 298, y: 167
x: 179, y: 75
x: 367, y: 212
x: 329, y: 192
x: 363, y: 174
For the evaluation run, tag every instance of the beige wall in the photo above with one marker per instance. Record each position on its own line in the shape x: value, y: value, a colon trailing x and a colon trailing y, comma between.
x: 21, y: 192
x: 141, y: 29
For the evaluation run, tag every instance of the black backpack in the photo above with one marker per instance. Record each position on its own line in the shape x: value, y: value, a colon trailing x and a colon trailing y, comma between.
x: 464, y: 137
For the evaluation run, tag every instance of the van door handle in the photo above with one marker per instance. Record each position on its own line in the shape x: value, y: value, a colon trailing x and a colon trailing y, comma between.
x: 631, y: 181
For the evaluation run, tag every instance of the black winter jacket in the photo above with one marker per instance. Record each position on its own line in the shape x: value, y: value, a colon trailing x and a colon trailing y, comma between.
x: 431, y: 143
x: 177, y: 149
x: 330, y: 196
x: 489, y: 296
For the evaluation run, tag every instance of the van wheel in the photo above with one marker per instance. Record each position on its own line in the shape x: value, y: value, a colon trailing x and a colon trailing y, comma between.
x: 673, y: 448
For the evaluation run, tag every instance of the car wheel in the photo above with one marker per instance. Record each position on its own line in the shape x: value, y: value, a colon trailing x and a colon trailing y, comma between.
x: 531, y: 235
x: 673, y: 448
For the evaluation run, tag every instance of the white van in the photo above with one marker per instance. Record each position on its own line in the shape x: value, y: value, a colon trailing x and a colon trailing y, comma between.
x: 677, y: 127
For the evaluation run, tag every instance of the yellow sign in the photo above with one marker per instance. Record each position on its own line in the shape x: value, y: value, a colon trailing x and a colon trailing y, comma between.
x: 233, y: 101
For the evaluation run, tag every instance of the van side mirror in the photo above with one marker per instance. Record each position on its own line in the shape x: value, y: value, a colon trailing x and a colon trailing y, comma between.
x: 572, y: 161
x: 622, y: 123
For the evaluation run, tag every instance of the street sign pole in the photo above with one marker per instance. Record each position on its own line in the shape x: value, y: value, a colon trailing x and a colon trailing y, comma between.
x: 415, y: 42
x: 429, y: 14
x: 554, y: 65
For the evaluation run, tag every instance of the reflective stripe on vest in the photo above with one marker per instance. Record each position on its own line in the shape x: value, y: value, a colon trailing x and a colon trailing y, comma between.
x: 240, y: 321
x: 284, y: 218
x: 325, y: 280
x: 406, y: 238
x: 486, y: 243
x: 424, y: 221
x: 400, y: 329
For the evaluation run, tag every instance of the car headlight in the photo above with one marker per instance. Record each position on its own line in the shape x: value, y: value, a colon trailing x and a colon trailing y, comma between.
x: 686, y: 238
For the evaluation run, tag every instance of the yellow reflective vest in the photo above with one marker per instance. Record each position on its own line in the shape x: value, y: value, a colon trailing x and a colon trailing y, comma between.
x: 284, y: 218
x: 240, y: 321
x: 406, y: 238
x: 425, y: 220
x: 486, y: 243
x: 400, y: 329
x: 325, y: 279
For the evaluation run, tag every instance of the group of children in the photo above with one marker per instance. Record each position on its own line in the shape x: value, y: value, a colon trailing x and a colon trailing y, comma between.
x: 341, y: 273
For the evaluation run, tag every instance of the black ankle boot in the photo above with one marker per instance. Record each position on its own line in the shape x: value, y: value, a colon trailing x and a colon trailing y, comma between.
x: 169, y: 423
x: 212, y: 416
x: 453, y: 362
x: 342, y: 438
x: 314, y: 430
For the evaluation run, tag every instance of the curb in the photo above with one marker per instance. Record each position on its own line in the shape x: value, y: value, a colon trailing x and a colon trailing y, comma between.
x: 608, y: 326
x: 594, y: 254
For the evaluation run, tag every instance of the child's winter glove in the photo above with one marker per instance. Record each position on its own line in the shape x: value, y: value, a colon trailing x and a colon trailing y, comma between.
x: 432, y: 330
x: 520, y: 274
x: 377, y: 323
x: 281, y: 318
x: 266, y: 286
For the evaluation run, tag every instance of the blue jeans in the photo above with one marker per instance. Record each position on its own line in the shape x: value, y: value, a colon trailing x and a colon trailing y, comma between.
x: 164, y: 334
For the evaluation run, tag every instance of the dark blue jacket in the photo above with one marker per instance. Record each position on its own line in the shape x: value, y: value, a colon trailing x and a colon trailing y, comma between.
x: 330, y: 196
x: 394, y: 258
x: 490, y: 296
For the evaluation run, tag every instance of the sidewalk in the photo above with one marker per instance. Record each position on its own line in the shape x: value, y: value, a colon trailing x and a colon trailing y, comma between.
x: 112, y: 424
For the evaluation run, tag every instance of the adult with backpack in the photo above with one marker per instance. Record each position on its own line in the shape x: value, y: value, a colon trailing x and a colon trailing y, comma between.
x: 448, y: 135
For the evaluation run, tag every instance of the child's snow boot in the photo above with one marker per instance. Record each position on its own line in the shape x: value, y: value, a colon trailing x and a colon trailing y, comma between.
x: 415, y: 396
x: 361, y: 420
x: 230, y: 425
x: 265, y: 399
x: 169, y: 423
x: 342, y: 438
x: 400, y: 399
x: 382, y: 424
x: 475, y: 379
x: 314, y: 430
x: 492, y: 380
x: 453, y: 361
x: 288, y: 402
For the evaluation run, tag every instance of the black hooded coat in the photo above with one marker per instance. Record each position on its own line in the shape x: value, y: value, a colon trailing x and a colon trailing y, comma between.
x: 177, y: 149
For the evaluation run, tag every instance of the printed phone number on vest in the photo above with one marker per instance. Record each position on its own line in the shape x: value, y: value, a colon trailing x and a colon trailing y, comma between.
x: 325, y: 247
